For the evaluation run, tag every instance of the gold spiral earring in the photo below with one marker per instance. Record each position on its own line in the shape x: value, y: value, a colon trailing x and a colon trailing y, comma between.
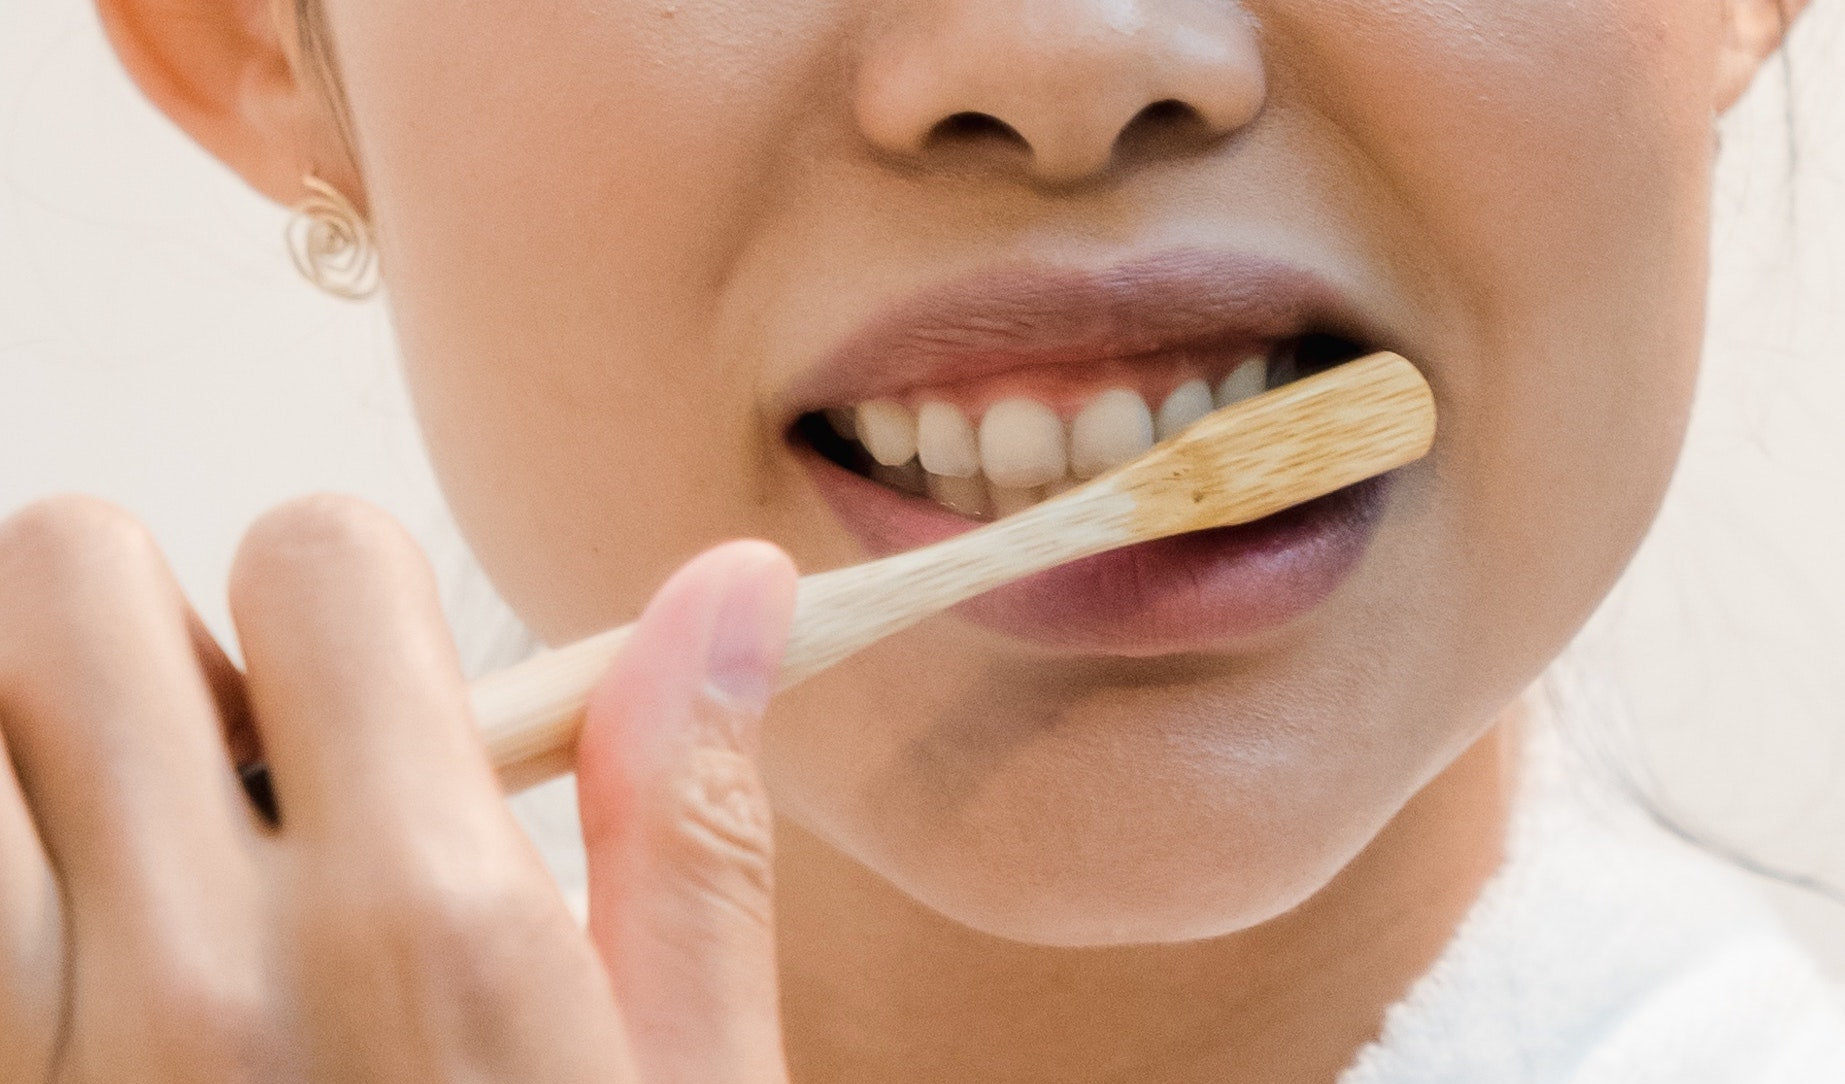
x: 331, y: 243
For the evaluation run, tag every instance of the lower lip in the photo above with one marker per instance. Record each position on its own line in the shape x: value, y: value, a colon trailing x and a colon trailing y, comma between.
x: 1206, y: 590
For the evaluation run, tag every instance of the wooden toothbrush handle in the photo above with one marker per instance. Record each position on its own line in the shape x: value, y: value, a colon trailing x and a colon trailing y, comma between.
x: 530, y: 713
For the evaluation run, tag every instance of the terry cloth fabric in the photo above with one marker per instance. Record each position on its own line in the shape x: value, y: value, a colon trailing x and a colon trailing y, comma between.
x: 1604, y: 951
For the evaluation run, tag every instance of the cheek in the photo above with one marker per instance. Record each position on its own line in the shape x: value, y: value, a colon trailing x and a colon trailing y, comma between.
x: 1549, y: 164
x: 557, y: 192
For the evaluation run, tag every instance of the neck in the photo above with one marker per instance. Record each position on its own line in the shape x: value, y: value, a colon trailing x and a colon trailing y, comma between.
x: 875, y: 987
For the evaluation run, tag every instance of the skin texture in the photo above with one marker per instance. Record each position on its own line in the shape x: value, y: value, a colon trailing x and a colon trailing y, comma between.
x: 614, y: 235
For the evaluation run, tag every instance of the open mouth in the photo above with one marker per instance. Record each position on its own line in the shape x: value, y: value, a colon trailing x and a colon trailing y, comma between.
x: 995, y: 445
x: 981, y: 396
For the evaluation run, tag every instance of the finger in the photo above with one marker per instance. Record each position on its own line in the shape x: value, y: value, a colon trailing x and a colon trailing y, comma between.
x: 412, y: 901
x: 677, y: 825
x: 111, y: 722
x: 353, y: 681
x: 31, y: 939
x: 113, y: 731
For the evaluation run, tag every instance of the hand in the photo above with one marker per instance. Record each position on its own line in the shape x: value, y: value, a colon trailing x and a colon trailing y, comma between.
x: 395, y: 925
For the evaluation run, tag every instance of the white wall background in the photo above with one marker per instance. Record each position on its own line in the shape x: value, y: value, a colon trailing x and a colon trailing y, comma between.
x: 156, y: 348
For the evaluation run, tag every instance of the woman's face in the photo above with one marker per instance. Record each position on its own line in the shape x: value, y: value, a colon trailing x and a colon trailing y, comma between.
x: 632, y: 244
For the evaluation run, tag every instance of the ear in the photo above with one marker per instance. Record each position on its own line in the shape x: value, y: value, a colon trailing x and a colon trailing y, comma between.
x: 1753, y: 30
x: 230, y: 73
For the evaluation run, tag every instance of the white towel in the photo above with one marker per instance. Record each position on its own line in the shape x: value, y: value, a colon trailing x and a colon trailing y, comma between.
x: 1606, y: 952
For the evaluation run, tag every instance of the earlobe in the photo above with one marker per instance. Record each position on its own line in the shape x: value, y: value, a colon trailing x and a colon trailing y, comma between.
x: 221, y: 71
x: 1753, y: 30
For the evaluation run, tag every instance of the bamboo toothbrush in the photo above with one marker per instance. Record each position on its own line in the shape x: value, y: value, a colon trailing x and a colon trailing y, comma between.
x: 1282, y: 448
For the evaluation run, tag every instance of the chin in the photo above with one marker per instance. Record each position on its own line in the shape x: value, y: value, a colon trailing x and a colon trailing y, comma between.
x: 1150, y: 815
x: 1033, y: 884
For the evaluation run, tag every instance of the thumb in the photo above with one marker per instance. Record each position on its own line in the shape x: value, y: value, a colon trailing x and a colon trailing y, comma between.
x: 677, y: 825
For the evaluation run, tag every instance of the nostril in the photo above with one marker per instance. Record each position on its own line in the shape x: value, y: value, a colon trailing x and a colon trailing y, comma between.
x: 1168, y: 124
x: 1165, y: 112
x: 969, y: 127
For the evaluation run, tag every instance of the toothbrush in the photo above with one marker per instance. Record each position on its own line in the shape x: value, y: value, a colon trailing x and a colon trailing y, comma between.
x: 1287, y: 446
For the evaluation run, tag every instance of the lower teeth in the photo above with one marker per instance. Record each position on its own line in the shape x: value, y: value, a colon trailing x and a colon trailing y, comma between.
x: 966, y: 496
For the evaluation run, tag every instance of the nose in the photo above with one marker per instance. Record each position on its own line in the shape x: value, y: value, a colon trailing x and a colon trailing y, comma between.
x: 1062, y: 89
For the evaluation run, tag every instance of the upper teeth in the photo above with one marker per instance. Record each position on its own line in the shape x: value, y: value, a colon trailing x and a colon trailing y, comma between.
x: 1021, y: 448
x: 1188, y: 402
x: 1246, y: 380
x: 1022, y: 444
x: 945, y: 441
x: 1115, y: 427
x: 888, y: 431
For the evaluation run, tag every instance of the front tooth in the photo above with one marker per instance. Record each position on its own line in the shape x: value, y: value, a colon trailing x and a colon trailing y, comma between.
x: 945, y: 441
x: 968, y: 496
x: 1008, y: 501
x: 887, y: 430
x: 1021, y: 444
x: 1112, y: 429
x: 1246, y: 381
x: 1189, y: 402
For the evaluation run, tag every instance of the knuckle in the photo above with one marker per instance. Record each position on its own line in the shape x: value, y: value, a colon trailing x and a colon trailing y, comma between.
x: 718, y: 830
x: 74, y: 571
x: 316, y: 530
x: 464, y: 936
x: 61, y: 540
x: 215, y: 1023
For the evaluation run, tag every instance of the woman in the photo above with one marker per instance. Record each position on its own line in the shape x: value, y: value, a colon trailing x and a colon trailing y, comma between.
x: 850, y: 275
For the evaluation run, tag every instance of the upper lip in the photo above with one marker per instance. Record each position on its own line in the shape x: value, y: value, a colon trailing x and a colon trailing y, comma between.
x: 1035, y: 316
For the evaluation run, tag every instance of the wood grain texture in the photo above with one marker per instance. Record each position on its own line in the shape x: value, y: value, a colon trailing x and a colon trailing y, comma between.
x: 1299, y: 441
x: 1285, y: 447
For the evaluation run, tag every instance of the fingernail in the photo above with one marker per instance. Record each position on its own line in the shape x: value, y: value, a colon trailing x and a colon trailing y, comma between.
x: 744, y: 655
